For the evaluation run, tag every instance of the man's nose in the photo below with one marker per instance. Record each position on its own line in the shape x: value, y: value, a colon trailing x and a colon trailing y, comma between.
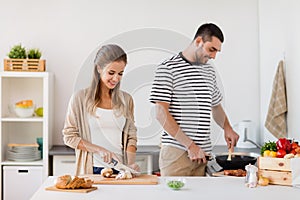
x: 213, y: 55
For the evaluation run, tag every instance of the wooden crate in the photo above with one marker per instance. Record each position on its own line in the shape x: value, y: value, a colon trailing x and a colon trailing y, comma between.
x: 30, y: 65
x: 277, y: 170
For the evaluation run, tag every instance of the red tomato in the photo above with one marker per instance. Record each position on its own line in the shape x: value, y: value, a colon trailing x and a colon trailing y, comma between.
x: 280, y: 153
x: 293, y: 152
x: 294, y: 145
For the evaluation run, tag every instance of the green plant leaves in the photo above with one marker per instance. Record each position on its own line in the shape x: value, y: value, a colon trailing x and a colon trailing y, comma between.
x: 19, y: 52
x: 34, y: 54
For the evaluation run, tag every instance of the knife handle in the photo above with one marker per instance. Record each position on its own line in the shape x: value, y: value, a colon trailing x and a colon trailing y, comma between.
x: 114, y: 162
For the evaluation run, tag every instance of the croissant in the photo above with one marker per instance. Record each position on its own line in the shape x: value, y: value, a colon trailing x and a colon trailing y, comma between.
x: 66, y: 182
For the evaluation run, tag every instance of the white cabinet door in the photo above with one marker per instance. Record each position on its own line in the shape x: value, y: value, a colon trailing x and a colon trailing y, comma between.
x: 21, y: 182
x: 63, y: 164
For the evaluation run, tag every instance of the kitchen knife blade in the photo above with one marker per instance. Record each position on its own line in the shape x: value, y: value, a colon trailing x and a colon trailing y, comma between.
x: 121, y: 167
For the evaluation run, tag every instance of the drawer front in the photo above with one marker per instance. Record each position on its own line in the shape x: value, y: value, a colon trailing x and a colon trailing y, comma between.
x: 63, y: 165
x: 21, y: 182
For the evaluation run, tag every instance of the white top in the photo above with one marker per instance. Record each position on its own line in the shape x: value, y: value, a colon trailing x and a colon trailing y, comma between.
x: 106, y: 131
x: 215, y: 188
x: 191, y: 91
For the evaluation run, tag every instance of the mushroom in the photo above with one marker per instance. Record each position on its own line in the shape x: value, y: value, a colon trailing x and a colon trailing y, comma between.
x: 107, y: 172
x: 124, y: 175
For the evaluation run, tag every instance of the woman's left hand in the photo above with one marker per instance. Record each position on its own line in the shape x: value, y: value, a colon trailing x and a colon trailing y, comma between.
x: 135, y: 167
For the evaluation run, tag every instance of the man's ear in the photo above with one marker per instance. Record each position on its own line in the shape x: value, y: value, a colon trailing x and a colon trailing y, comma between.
x: 198, y: 41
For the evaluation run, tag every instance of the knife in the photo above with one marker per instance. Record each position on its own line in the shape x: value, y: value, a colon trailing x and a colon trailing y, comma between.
x: 121, y: 167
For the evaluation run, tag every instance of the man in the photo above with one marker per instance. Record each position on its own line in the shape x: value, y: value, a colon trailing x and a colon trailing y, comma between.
x: 186, y: 94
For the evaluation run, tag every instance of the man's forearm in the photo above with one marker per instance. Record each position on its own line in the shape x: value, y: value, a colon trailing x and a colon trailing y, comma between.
x: 170, y: 125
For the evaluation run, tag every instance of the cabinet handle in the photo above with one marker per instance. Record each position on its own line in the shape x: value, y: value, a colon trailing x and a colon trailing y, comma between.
x: 68, y: 161
x: 23, y: 170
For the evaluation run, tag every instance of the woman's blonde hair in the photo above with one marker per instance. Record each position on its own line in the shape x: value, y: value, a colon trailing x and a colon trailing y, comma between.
x: 106, y: 55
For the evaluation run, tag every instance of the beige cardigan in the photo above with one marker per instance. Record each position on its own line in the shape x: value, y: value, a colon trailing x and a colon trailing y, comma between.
x: 76, y: 127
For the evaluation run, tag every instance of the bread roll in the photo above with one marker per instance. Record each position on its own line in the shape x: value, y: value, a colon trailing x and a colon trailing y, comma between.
x: 66, y: 182
x: 63, y: 181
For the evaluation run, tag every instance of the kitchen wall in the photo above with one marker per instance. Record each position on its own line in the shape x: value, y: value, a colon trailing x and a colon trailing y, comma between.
x: 279, y: 40
x: 69, y: 31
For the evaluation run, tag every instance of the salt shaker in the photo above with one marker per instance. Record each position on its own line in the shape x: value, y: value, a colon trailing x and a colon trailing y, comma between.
x: 251, y: 176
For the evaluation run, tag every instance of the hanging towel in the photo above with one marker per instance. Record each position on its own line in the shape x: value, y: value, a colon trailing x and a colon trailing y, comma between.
x: 276, y: 117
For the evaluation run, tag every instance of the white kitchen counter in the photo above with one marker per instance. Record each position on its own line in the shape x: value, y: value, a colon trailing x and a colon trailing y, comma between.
x: 230, y: 188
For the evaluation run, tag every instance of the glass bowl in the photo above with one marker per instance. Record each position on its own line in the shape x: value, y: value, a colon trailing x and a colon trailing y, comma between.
x: 175, y: 183
x: 24, y: 112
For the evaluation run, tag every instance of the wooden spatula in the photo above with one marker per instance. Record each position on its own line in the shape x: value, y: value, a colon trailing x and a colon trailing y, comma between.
x: 229, y: 155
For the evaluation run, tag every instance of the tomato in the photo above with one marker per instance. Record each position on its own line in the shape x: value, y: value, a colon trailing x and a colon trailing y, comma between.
x: 293, y: 152
x: 294, y: 145
x: 280, y: 153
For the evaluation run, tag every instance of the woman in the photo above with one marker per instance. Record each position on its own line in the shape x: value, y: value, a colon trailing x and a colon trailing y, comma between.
x: 99, y: 123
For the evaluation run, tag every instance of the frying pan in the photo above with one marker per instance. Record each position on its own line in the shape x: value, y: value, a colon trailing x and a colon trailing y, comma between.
x: 238, y: 160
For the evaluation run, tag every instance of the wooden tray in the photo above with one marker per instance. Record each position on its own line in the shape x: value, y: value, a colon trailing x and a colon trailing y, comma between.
x: 221, y: 174
x: 30, y: 65
x: 143, y: 179
x: 53, y: 188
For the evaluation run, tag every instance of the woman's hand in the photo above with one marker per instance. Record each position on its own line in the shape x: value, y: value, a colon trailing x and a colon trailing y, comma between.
x: 104, y: 154
x: 135, y: 167
x: 107, y: 156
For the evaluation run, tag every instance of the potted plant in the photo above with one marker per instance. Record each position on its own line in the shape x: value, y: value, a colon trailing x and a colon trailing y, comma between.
x: 34, y: 54
x: 17, y: 52
x: 22, y: 60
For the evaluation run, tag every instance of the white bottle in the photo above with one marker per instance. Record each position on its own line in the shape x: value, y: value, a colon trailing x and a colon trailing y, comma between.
x: 251, y: 176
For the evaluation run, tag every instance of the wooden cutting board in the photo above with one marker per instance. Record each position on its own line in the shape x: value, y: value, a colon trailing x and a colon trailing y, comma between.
x: 143, y: 179
x: 53, y: 188
x: 221, y: 174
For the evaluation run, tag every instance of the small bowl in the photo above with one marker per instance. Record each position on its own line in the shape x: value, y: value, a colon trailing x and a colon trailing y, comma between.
x: 175, y: 183
x: 24, y: 112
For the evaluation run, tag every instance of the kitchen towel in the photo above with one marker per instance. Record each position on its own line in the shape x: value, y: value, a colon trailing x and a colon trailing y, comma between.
x: 276, y: 117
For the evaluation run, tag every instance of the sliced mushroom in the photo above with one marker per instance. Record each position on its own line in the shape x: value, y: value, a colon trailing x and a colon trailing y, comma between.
x: 107, y: 172
x: 124, y: 175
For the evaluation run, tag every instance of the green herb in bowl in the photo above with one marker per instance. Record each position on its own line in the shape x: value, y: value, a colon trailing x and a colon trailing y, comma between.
x: 175, y: 184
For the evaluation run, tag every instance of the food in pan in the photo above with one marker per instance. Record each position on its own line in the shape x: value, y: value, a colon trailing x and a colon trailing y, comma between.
x: 235, y: 172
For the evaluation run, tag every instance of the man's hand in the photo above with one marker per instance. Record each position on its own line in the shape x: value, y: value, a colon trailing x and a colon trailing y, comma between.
x: 231, y: 138
x: 195, y: 153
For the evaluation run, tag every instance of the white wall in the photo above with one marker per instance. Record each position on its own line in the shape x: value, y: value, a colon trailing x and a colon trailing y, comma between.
x: 279, y: 39
x: 68, y: 32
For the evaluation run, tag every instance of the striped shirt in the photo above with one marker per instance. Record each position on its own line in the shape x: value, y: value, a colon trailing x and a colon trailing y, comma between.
x: 191, y: 91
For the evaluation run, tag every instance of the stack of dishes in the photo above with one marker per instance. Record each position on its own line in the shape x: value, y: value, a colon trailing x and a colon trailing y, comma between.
x: 23, y: 152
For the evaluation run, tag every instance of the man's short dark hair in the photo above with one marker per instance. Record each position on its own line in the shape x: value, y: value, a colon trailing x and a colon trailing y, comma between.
x: 206, y: 31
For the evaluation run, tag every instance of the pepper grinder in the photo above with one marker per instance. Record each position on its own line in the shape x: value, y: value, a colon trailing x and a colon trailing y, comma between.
x: 251, y: 176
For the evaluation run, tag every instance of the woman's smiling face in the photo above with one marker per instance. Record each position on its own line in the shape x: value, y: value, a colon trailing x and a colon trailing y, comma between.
x: 112, y: 74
